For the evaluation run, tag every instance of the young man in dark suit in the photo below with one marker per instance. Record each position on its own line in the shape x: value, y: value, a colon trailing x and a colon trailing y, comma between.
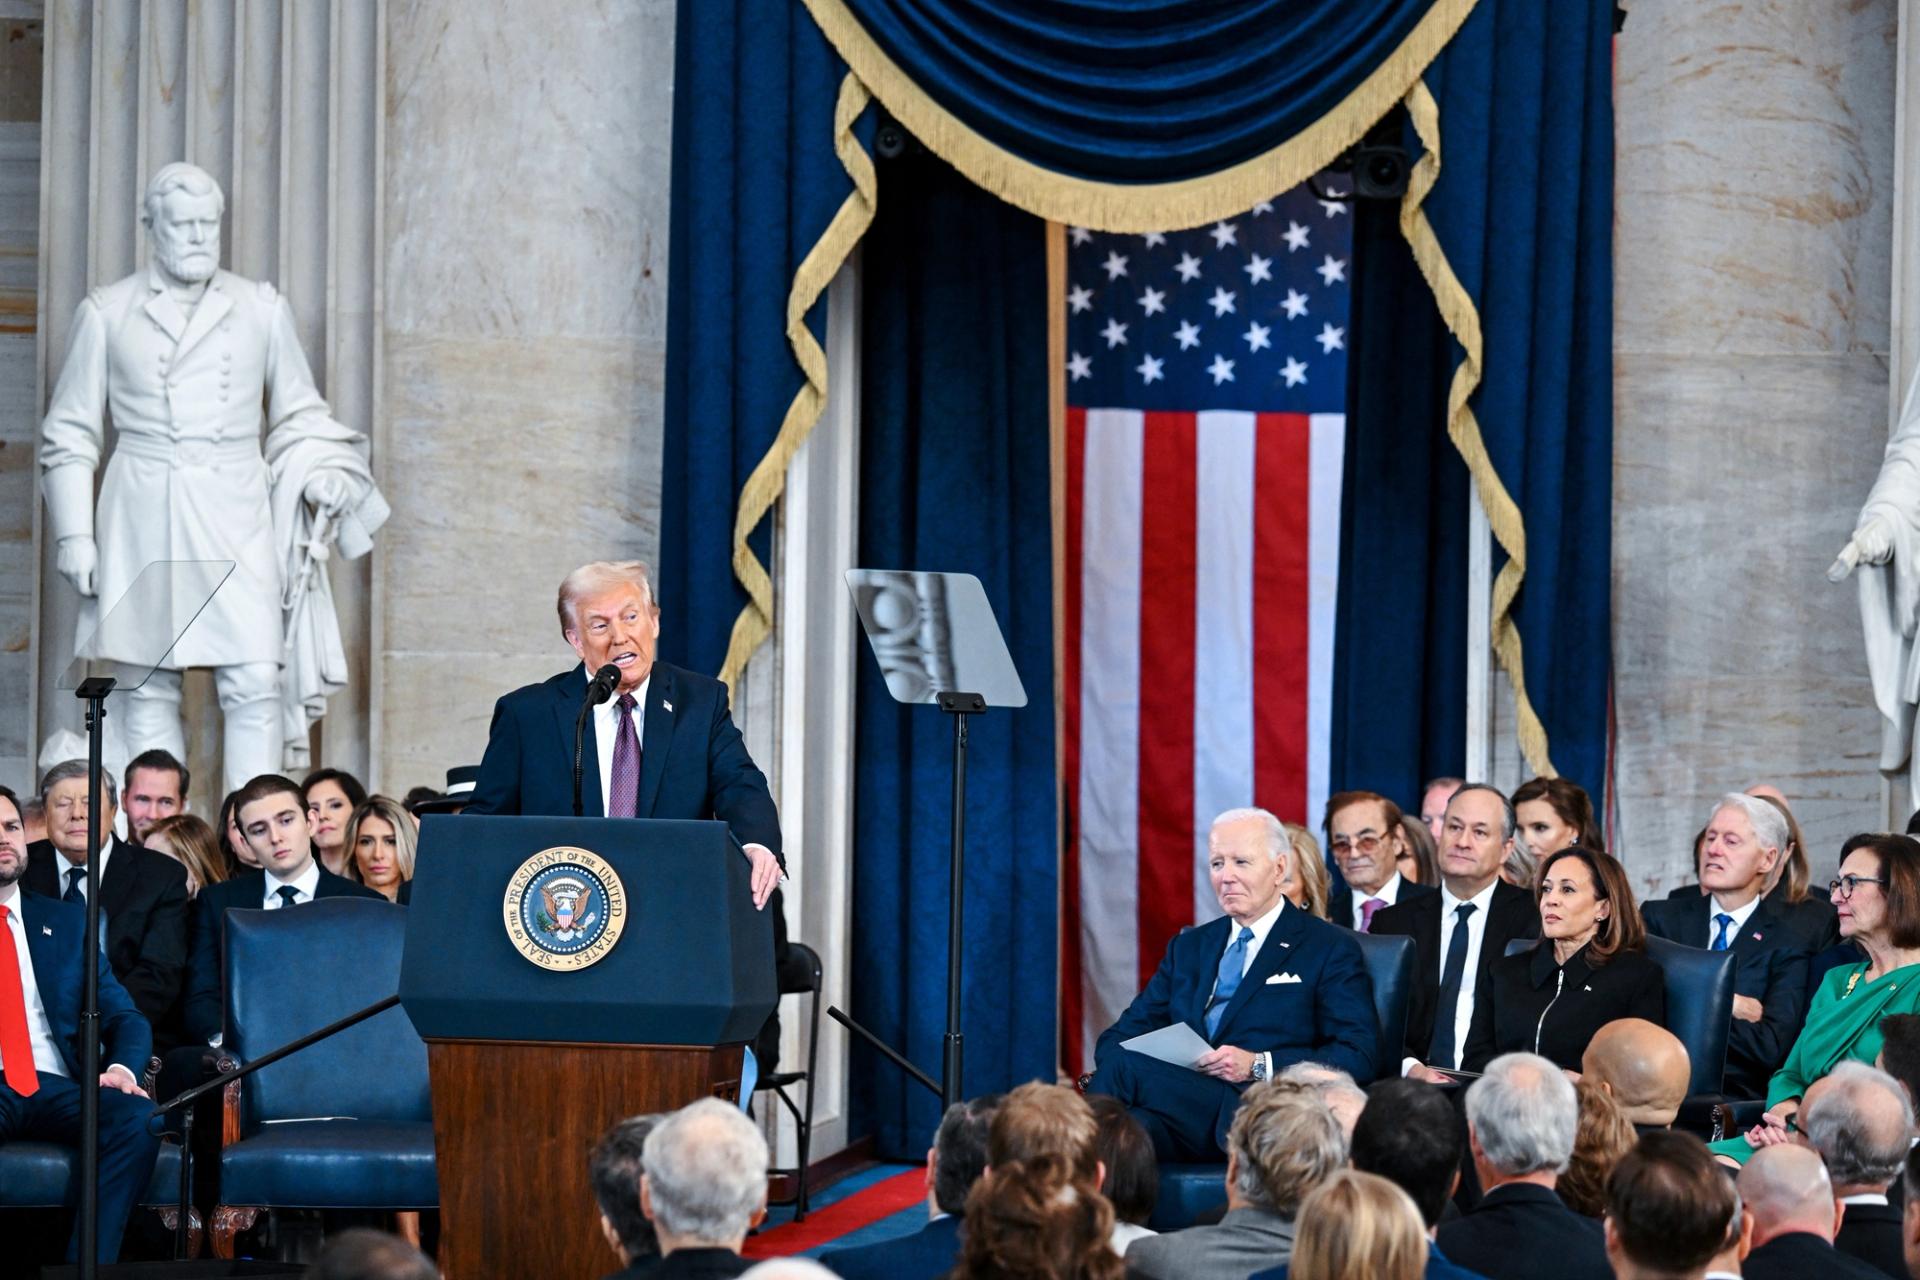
x: 1267, y: 986
x: 272, y: 813
x: 1745, y: 840
x: 1364, y: 836
x: 1670, y: 1210
x: 42, y: 962
x: 143, y: 896
x: 1461, y: 931
x: 955, y: 1162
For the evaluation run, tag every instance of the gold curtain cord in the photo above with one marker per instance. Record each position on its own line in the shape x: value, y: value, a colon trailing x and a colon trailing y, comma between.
x: 1142, y: 207
x: 1463, y: 428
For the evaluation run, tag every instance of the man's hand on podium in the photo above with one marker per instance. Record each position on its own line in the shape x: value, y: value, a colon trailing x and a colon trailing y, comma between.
x: 766, y: 873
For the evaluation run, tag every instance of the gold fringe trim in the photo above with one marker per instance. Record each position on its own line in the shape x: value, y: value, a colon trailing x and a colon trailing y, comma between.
x: 810, y: 280
x: 1463, y: 428
x: 1139, y: 207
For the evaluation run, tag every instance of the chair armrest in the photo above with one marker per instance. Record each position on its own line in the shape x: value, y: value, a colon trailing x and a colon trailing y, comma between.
x: 229, y: 1101
x: 1704, y: 1115
x: 151, y: 1080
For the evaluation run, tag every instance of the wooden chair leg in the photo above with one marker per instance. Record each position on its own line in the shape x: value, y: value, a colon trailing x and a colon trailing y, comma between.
x: 170, y: 1217
x: 406, y: 1225
x: 228, y: 1222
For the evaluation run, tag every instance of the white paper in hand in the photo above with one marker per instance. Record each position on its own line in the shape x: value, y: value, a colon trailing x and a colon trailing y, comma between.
x: 1179, y: 1044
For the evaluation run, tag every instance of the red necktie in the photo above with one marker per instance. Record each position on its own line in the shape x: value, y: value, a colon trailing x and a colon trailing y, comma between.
x: 16, y: 1046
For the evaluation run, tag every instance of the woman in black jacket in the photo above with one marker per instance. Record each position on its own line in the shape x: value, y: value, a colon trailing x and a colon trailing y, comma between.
x: 1589, y: 968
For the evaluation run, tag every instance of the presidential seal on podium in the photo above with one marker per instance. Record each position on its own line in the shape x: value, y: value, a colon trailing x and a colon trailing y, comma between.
x: 564, y: 908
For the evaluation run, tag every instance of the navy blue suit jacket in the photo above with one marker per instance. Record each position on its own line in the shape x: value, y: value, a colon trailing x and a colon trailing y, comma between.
x: 1340, y: 909
x: 693, y: 762
x: 1770, y: 966
x: 929, y: 1252
x: 204, y: 1012
x: 56, y: 932
x: 1326, y: 1016
x: 1438, y: 1268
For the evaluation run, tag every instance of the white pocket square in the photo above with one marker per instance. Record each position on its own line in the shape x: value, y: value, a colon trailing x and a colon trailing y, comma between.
x: 1283, y: 977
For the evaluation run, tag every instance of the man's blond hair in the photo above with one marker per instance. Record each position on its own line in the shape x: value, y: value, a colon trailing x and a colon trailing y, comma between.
x: 598, y: 576
x: 1044, y: 1120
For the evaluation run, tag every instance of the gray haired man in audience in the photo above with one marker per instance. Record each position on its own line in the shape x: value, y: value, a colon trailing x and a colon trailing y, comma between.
x: 703, y: 1186
x: 1861, y: 1123
x: 615, y: 1170
x: 1521, y: 1116
x: 1284, y: 1142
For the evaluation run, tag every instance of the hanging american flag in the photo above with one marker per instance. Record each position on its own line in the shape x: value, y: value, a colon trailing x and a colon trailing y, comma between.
x: 1206, y: 423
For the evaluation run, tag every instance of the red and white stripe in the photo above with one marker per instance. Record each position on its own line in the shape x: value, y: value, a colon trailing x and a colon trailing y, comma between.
x: 1202, y: 567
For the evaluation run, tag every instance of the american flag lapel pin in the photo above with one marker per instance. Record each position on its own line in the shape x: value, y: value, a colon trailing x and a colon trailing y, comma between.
x: 666, y: 704
x: 1756, y: 936
x: 47, y: 929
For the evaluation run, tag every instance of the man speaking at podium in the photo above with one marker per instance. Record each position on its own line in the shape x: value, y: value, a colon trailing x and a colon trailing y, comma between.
x: 664, y: 745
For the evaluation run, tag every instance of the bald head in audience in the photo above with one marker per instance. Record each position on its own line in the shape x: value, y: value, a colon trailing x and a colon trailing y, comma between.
x: 1787, y: 1190
x: 1643, y: 1065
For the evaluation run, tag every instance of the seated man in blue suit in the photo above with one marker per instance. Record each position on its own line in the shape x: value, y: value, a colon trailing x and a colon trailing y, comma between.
x: 41, y: 1072
x: 954, y: 1163
x: 1267, y: 986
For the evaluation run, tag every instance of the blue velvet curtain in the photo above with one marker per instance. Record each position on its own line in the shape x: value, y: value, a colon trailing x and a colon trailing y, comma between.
x: 1524, y: 210
x: 954, y: 476
x: 1147, y: 91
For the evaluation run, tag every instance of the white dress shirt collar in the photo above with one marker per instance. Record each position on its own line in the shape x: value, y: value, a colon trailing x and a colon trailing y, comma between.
x: 306, y: 882
x: 63, y: 865
x: 1388, y: 893
x: 1261, y: 928
x: 1740, y: 917
x: 1866, y: 1197
x: 1482, y: 902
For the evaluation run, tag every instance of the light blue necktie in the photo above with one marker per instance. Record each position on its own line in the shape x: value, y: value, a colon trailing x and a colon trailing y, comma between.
x: 1228, y: 981
x: 1720, y: 938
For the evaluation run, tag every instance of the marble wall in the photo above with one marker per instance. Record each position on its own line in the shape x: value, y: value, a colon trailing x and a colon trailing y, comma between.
x: 524, y: 334
x: 21, y: 46
x: 1754, y: 216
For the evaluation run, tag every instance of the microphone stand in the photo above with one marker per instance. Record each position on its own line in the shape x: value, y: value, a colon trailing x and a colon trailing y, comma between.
x: 599, y: 689
x: 93, y: 691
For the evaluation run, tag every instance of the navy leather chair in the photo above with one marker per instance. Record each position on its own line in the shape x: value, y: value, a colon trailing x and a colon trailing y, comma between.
x: 1189, y: 1189
x: 43, y: 1175
x: 346, y: 1123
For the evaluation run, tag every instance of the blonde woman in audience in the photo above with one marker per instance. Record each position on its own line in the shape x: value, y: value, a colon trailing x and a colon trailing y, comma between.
x: 1307, y: 885
x: 380, y: 842
x: 190, y: 842
x: 1358, y: 1226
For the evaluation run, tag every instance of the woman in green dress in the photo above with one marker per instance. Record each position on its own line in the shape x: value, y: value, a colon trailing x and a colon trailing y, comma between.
x: 1877, y: 896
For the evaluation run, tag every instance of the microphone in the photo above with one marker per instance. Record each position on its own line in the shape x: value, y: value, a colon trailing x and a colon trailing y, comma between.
x: 601, y: 687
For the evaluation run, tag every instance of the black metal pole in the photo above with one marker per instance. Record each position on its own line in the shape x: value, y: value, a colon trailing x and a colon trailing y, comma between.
x: 959, y: 706
x: 186, y: 1185
x: 916, y: 1074
x: 94, y: 691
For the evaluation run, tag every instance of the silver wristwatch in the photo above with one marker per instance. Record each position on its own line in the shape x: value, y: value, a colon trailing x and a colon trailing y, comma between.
x: 1259, y: 1067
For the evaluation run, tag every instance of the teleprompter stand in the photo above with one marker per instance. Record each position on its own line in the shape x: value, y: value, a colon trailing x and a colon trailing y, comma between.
x: 934, y: 636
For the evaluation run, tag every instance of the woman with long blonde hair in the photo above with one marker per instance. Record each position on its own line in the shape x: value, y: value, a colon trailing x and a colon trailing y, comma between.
x: 380, y: 843
x: 1358, y: 1226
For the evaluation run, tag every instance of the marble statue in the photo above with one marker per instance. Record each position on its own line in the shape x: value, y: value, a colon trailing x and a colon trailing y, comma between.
x: 187, y: 360
x: 1885, y: 549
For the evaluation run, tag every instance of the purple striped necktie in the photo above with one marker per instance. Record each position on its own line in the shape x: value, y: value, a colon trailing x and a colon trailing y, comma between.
x: 623, y: 790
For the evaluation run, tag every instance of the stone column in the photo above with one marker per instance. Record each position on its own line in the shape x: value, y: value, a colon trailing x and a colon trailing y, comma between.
x: 282, y: 104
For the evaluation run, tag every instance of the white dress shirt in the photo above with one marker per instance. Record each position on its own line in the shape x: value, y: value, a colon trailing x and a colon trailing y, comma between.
x: 46, y: 1055
x: 1388, y: 893
x: 1867, y: 1197
x: 606, y: 727
x: 1740, y: 917
x: 1469, y: 976
x: 1261, y: 928
x: 63, y: 866
x: 306, y: 882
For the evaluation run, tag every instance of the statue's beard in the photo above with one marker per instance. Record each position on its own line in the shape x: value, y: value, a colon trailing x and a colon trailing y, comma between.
x: 191, y: 263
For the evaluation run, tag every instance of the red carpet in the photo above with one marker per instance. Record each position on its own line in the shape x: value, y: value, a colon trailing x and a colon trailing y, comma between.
x: 823, y: 1226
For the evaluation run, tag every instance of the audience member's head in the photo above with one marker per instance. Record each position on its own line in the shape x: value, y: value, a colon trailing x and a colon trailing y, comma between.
x: 235, y: 844
x: 1419, y: 855
x: 1363, y: 833
x: 1643, y: 1065
x: 64, y: 791
x: 1910, y: 1218
x: 1521, y: 1119
x: 361, y: 1253
x: 704, y: 1182
x: 381, y: 842
x: 1900, y: 1052
x: 1433, y: 803
x: 272, y: 812
x: 958, y: 1155
x: 13, y: 839
x: 1601, y: 1138
x: 156, y: 788
x: 615, y: 1169
x: 1877, y: 892
x: 33, y: 814
x: 332, y: 795
x: 1132, y: 1181
x: 1283, y: 1143
x: 1475, y: 838
x: 1786, y: 1189
x: 1358, y: 1226
x: 1411, y: 1135
x: 1741, y: 848
x: 1040, y: 1119
x: 787, y: 1269
x: 1307, y: 884
x: 1588, y: 893
x: 1336, y: 1088
x: 1038, y: 1211
x: 1793, y: 867
x: 1670, y: 1209
x: 1860, y: 1121
x: 1554, y: 813
x: 1913, y: 823
x: 1247, y: 861
x: 188, y: 840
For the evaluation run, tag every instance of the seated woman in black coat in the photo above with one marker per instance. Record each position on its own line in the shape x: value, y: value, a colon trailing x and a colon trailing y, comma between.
x: 1589, y: 968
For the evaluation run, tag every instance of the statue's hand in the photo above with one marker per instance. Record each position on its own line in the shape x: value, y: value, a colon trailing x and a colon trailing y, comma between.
x: 76, y: 558
x: 1872, y: 543
x: 327, y: 491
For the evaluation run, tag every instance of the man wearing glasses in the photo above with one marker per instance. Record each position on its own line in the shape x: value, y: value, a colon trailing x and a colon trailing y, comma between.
x: 1363, y: 831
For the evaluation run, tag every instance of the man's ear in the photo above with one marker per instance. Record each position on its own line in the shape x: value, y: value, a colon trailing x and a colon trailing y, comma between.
x: 1746, y: 1233
x: 646, y: 1199
x: 613, y: 1237
x: 1099, y: 1173
x: 1454, y: 1186
x: 933, y: 1166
